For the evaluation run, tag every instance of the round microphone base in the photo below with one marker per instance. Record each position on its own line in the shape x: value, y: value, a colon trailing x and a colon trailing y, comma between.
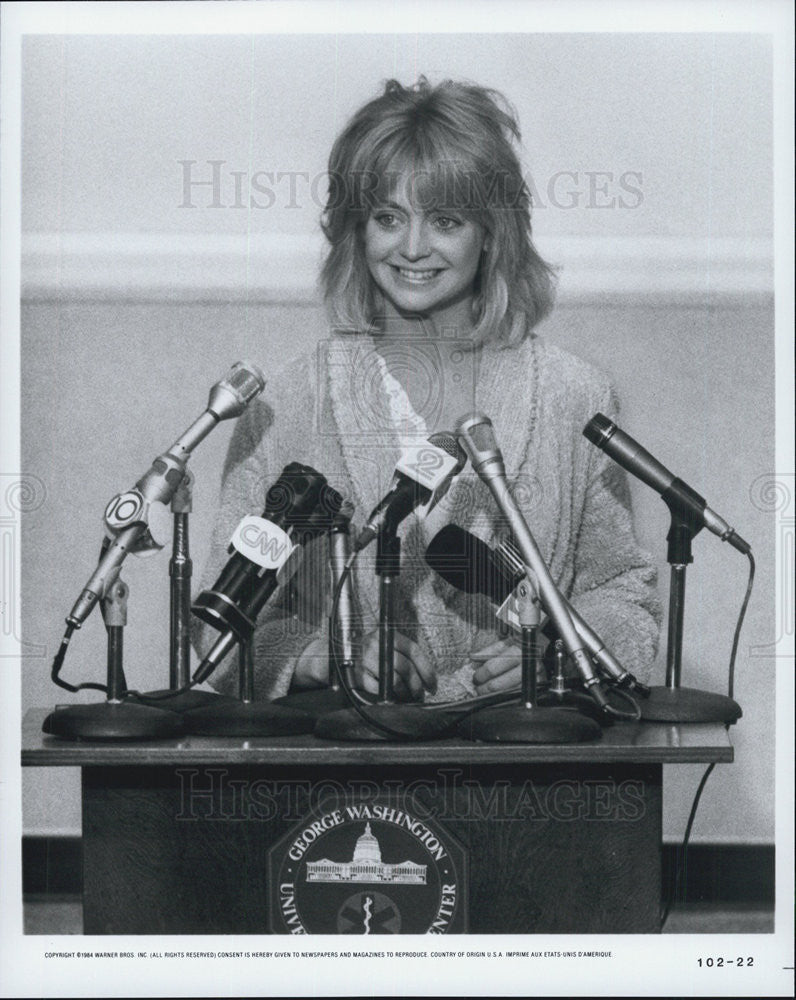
x: 184, y: 702
x: 410, y: 722
x: 667, y: 704
x: 519, y: 724
x: 579, y: 700
x: 111, y: 720
x: 318, y: 701
x: 247, y: 718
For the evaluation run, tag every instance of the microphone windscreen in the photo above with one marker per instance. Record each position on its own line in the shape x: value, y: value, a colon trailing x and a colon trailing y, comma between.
x: 478, y: 437
x: 507, y: 556
x: 477, y: 427
x: 448, y: 443
x: 232, y: 394
x: 599, y: 429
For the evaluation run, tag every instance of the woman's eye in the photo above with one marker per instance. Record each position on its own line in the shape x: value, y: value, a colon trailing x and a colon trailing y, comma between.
x: 386, y: 220
x: 445, y: 222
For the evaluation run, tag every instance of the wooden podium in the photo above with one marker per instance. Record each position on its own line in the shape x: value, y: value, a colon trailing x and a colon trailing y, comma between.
x: 194, y: 835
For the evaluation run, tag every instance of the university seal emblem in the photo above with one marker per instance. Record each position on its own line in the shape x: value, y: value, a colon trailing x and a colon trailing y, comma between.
x: 367, y: 868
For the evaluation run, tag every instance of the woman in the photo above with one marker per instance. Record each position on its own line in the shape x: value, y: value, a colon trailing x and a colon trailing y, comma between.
x: 433, y: 289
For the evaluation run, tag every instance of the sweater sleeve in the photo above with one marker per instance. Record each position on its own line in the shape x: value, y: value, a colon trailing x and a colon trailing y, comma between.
x: 614, y: 584
x: 292, y: 618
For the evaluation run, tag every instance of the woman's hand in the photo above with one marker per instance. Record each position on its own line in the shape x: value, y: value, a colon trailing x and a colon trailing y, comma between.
x: 413, y: 673
x: 312, y: 666
x: 412, y: 676
x: 500, y: 667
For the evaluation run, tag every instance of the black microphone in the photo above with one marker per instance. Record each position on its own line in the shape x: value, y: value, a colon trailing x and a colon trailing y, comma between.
x: 265, y: 551
x: 422, y: 476
x: 677, y: 494
x: 127, y: 513
x: 472, y: 566
x: 469, y: 565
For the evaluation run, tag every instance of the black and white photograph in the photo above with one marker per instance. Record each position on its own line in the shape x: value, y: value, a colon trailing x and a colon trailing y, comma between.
x: 397, y: 498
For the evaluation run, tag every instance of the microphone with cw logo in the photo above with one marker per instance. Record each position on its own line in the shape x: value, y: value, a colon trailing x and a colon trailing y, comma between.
x: 265, y: 552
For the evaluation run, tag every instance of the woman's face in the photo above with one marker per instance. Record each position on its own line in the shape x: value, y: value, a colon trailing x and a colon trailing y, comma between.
x: 424, y: 261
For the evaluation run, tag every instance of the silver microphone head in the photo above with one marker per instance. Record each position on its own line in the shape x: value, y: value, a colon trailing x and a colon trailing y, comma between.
x: 230, y: 397
x: 447, y: 442
x: 477, y: 434
x: 508, y: 558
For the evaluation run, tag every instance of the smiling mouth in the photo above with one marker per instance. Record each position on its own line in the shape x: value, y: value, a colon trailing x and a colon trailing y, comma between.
x: 417, y: 277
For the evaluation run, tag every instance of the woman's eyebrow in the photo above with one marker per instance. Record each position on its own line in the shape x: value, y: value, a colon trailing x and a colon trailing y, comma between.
x: 388, y: 204
x: 430, y: 210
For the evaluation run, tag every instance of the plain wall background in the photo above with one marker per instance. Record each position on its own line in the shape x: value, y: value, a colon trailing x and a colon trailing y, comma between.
x: 106, y: 120
x: 117, y: 360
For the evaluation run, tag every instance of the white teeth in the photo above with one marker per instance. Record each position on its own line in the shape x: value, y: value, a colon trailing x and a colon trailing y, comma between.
x: 418, y: 276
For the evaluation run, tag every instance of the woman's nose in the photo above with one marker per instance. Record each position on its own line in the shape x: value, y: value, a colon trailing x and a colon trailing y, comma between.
x: 415, y: 243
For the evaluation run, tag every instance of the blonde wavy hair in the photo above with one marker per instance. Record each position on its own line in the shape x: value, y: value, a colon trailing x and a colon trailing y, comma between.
x: 457, y: 139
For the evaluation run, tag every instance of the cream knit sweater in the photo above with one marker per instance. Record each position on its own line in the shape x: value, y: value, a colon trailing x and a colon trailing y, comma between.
x: 326, y: 410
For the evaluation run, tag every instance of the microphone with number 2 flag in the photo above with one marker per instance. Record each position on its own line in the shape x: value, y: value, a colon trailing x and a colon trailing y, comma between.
x: 422, y: 477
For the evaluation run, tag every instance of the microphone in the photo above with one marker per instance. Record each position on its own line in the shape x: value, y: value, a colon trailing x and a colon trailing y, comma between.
x: 628, y: 453
x: 471, y: 565
x: 478, y: 436
x: 127, y: 514
x: 422, y: 476
x: 264, y: 552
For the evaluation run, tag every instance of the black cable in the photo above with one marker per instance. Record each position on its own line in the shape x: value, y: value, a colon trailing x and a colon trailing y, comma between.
x: 737, y: 636
x: 355, y: 700
x: 58, y: 662
x: 459, y: 710
x: 730, y: 688
x: 634, y: 715
x: 683, y: 851
x: 477, y: 702
x: 163, y: 696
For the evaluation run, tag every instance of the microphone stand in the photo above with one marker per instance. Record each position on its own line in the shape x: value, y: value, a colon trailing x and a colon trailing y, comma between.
x: 673, y: 703
x: 117, y: 718
x: 246, y: 716
x: 529, y: 722
x: 180, y: 572
x: 559, y: 694
x: 411, y: 721
x: 319, y: 701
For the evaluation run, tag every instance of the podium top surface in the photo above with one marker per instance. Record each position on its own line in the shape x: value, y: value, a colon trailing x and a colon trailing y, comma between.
x: 625, y: 742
